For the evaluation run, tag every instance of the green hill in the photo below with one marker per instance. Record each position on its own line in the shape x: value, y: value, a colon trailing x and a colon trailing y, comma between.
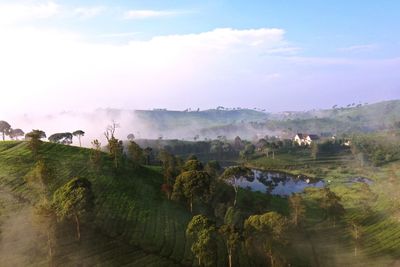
x: 132, y: 222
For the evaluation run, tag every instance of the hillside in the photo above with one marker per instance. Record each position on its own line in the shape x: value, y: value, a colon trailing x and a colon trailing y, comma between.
x: 132, y: 224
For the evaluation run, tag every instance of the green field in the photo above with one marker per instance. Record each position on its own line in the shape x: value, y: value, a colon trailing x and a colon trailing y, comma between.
x: 380, y: 245
x: 135, y: 225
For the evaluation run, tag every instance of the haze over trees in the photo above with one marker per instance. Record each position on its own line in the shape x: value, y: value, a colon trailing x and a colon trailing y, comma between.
x: 74, y: 200
x: 5, y: 127
x: 79, y: 134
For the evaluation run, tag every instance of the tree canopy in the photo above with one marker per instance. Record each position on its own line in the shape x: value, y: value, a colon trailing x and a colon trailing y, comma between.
x: 73, y: 200
x: 5, y: 127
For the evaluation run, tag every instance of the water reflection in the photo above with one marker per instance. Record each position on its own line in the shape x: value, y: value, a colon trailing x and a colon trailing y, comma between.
x: 276, y: 183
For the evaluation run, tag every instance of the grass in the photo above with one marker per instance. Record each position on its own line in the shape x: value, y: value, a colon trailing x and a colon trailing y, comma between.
x: 134, y: 225
x: 380, y: 242
x: 129, y: 206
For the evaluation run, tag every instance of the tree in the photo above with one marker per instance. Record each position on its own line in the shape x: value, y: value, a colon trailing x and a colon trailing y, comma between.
x: 115, y: 146
x: 190, y: 185
x: 232, y: 175
x: 266, y: 231
x: 297, y: 208
x: 213, y: 168
x: 34, y: 140
x: 148, y: 155
x: 314, y: 150
x: 136, y: 153
x: 5, y: 128
x: 356, y: 232
x: 61, y: 138
x: 15, y: 133
x: 247, y: 151
x: 238, y: 143
x: 203, y: 233
x: 74, y: 200
x: 95, y: 152
x: 193, y: 165
x: 79, y: 133
x: 232, y: 239
x: 131, y: 137
x: 330, y: 202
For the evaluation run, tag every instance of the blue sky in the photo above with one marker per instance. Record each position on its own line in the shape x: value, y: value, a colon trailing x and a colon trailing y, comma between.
x: 277, y: 55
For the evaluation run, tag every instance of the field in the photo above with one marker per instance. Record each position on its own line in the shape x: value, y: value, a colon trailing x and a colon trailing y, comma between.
x: 135, y: 225
x: 380, y: 224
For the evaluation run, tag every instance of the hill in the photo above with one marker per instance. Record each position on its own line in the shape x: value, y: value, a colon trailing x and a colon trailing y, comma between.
x: 132, y: 223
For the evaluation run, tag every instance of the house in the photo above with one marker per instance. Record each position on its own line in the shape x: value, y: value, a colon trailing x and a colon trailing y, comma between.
x: 347, y: 143
x: 311, y: 138
x: 299, y: 139
x: 302, y: 139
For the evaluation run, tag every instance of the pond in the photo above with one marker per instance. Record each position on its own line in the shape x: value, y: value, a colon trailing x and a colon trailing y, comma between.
x: 276, y: 183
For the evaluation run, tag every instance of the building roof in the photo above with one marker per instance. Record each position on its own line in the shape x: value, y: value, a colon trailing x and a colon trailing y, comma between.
x: 313, y: 136
x: 300, y: 135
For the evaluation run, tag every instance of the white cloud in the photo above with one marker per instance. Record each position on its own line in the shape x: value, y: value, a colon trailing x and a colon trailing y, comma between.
x: 14, y: 13
x: 147, y: 13
x: 359, y: 48
x: 56, y: 70
x: 88, y: 12
x: 118, y: 34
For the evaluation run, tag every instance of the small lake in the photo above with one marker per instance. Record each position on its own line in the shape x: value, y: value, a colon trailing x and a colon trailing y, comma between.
x: 276, y: 183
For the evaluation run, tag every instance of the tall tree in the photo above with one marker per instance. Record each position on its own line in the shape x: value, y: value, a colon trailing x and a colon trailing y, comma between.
x: 356, y: 233
x: 79, y: 133
x: 5, y: 128
x: 231, y: 237
x: 74, y: 200
x: 268, y: 232
x: 15, y: 133
x: 34, y: 137
x: 115, y: 146
x: 136, y: 153
x: 61, y: 138
x: 131, y: 137
x: 190, y: 185
x: 148, y: 155
x: 193, y: 165
x: 95, y: 153
x: 330, y: 202
x: 297, y: 208
x: 203, y: 233
x: 233, y: 175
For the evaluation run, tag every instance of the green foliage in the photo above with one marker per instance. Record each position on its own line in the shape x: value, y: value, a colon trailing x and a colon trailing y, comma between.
x: 232, y: 174
x: 192, y: 185
x: 136, y: 153
x: 232, y: 240
x: 79, y: 133
x: 330, y: 202
x: 61, y: 138
x: 73, y: 200
x: 34, y: 140
x: 193, y: 165
x: 297, y: 209
x: 268, y: 232
x: 203, y: 233
x: 5, y: 128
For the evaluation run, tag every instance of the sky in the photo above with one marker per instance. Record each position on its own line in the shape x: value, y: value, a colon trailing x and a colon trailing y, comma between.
x: 276, y: 55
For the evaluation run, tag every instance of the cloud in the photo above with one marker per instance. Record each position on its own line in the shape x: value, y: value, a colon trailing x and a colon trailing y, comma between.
x: 118, y: 34
x: 60, y: 71
x: 359, y: 48
x: 56, y: 70
x: 14, y: 13
x: 88, y: 12
x: 147, y: 13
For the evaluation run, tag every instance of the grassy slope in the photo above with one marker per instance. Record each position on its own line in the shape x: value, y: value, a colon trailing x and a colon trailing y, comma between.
x: 146, y: 229
x: 381, y: 230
